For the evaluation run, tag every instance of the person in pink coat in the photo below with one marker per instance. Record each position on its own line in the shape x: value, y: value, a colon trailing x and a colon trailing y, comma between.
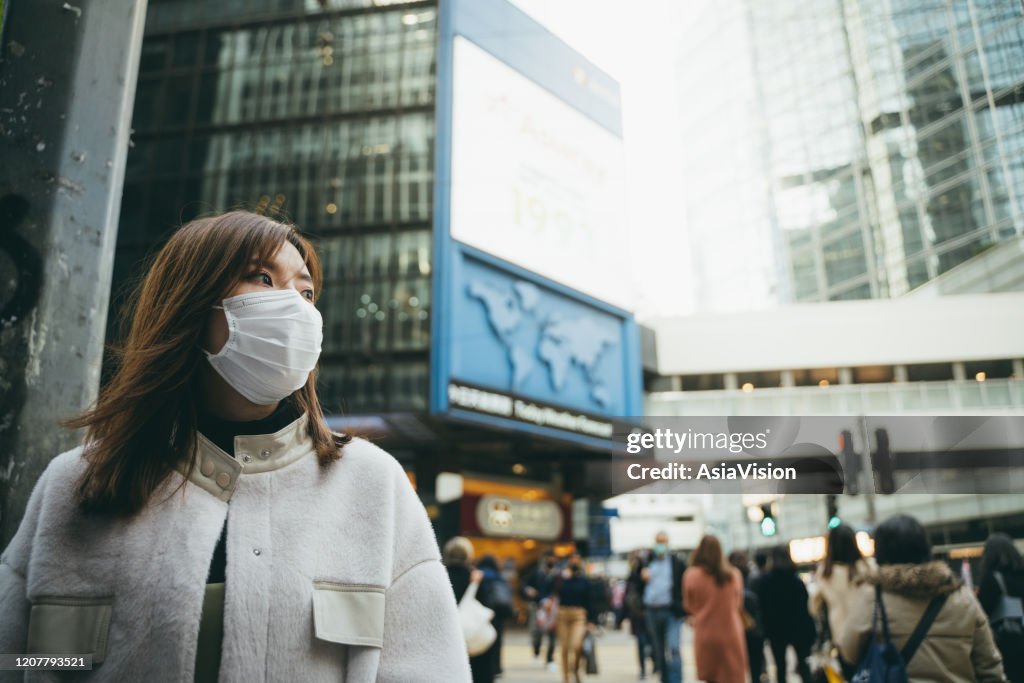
x: 713, y: 597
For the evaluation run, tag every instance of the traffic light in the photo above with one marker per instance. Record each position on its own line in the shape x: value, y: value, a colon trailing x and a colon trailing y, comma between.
x: 768, y: 525
x: 851, y: 462
x: 832, y: 504
x: 882, y: 463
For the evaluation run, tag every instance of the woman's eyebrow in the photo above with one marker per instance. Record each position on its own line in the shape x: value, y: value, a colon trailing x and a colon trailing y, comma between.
x: 269, y: 265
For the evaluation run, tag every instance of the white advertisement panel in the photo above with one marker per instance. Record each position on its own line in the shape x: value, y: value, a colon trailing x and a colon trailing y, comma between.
x: 534, y: 181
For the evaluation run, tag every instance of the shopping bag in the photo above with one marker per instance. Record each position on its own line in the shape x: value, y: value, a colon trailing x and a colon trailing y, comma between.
x: 590, y: 653
x: 475, y: 619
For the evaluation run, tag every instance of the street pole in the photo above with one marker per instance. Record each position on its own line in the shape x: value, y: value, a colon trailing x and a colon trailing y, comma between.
x: 867, y: 473
x: 67, y: 88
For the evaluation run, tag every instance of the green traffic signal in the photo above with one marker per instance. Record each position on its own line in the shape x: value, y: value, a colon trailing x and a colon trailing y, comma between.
x: 768, y: 527
x: 834, y: 521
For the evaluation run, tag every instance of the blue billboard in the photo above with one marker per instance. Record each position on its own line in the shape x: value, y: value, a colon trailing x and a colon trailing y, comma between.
x: 528, y: 229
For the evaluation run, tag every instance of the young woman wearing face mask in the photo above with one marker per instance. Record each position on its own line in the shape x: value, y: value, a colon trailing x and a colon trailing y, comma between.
x: 212, y: 526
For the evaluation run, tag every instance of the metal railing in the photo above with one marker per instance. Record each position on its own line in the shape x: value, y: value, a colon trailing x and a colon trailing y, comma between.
x: 991, y: 397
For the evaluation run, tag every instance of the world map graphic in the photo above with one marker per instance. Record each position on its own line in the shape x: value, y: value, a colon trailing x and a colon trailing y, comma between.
x: 534, y: 340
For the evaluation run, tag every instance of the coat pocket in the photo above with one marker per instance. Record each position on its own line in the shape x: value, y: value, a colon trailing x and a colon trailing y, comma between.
x: 352, y: 614
x: 69, y: 625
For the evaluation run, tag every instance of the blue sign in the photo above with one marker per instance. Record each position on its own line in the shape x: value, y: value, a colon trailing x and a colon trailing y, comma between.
x: 523, y: 338
x: 522, y: 352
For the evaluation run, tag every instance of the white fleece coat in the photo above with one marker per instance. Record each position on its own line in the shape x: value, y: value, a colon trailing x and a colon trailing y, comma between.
x: 333, y: 573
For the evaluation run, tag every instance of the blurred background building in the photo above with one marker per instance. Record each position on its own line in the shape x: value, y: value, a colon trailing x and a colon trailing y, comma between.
x: 851, y: 149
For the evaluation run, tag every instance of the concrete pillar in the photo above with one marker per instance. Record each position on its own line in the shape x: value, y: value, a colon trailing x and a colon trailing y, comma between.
x: 899, y: 373
x: 732, y: 382
x: 846, y: 375
x: 67, y: 88
x: 959, y: 372
x: 1018, y: 368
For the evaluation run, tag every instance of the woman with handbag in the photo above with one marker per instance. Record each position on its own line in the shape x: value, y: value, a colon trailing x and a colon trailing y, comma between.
x: 576, y: 616
x: 1000, y: 593
x: 836, y: 576
x: 211, y: 525
x: 832, y: 591
x: 920, y: 601
x: 713, y: 597
x: 458, y: 559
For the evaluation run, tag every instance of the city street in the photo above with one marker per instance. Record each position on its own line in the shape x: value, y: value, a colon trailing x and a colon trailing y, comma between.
x: 616, y: 659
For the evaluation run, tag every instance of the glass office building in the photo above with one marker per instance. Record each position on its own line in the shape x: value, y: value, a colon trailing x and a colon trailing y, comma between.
x: 321, y: 112
x: 867, y: 146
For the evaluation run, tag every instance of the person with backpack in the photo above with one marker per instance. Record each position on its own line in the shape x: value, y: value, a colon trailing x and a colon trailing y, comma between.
x: 1000, y: 592
x: 497, y: 596
x: 915, y: 618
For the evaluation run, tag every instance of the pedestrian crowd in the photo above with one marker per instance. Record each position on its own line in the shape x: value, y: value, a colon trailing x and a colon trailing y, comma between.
x: 853, y: 618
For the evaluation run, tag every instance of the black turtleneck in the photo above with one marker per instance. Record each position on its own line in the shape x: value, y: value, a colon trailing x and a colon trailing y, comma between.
x: 222, y: 433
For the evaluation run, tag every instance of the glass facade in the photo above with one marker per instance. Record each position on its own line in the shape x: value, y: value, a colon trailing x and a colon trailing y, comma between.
x: 882, y: 143
x: 321, y: 112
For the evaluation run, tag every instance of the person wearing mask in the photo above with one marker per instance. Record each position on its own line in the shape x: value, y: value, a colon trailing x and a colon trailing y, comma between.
x: 634, y: 611
x: 211, y: 524
x: 576, y: 615
x: 663, y: 606
x: 754, y: 633
x: 836, y: 576
x: 537, y: 589
x: 958, y: 647
x: 458, y: 560
x: 498, y: 596
x: 1002, y: 574
x: 787, y: 623
x: 713, y: 597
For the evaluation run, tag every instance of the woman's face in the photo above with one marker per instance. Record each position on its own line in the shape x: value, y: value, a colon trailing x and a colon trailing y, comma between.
x: 285, y: 269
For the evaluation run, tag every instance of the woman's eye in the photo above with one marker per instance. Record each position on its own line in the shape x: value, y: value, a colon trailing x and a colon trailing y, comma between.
x: 263, y: 278
x: 308, y: 294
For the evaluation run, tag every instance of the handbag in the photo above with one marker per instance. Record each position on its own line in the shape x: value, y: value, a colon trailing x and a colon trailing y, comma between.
x: 590, y: 653
x: 1008, y: 616
x: 824, y: 659
x: 475, y: 619
x: 883, y: 663
x: 547, y: 614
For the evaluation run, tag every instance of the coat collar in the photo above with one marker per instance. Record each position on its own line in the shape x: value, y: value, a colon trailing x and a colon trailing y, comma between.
x: 217, y: 473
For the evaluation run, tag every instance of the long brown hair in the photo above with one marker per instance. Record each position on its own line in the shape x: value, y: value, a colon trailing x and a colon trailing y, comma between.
x: 842, y: 549
x: 708, y: 555
x: 144, y: 422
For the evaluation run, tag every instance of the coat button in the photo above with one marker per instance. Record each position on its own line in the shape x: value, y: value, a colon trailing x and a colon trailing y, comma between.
x: 256, y: 551
x: 206, y: 468
x: 246, y: 458
x: 265, y: 453
x: 223, y: 480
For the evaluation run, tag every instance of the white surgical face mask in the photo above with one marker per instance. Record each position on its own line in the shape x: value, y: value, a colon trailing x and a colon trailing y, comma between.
x: 273, y: 344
